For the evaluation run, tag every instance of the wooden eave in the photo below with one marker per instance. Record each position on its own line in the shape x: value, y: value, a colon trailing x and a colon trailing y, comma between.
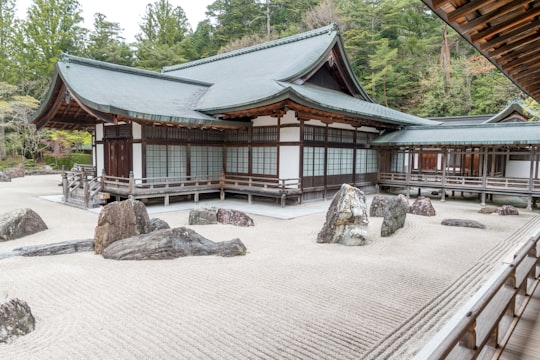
x: 506, y: 32
x: 66, y: 113
x: 306, y: 113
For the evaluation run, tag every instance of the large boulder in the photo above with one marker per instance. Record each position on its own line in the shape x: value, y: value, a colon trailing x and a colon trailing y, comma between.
x: 16, y: 319
x: 234, y: 217
x: 206, y: 216
x: 394, y: 215
x: 378, y: 205
x: 171, y: 244
x: 346, y: 220
x: 120, y: 220
x: 422, y: 206
x: 19, y: 223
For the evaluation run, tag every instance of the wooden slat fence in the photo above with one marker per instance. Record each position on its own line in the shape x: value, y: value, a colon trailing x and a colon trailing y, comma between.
x: 490, y: 320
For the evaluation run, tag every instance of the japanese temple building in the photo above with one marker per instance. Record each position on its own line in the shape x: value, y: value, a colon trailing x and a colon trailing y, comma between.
x: 283, y: 119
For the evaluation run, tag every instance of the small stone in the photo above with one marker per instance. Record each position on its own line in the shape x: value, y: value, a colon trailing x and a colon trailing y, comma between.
x: 463, y: 223
x: 16, y: 319
x: 207, y: 216
x: 488, y: 210
x: 157, y: 224
x: 422, y: 206
x: 234, y: 217
x: 508, y: 210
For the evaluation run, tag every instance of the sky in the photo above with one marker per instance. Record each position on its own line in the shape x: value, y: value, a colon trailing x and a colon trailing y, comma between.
x: 128, y: 13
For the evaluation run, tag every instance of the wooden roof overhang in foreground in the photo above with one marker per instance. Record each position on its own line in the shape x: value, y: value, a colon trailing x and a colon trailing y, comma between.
x: 506, y: 32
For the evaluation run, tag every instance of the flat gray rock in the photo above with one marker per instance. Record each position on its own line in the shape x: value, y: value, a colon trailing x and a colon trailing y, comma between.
x: 463, y: 223
x: 59, y: 248
x: 171, y: 244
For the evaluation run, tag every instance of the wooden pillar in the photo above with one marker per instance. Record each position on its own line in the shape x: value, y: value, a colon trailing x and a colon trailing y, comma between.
x: 532, y: 157
x: 443, y: 180
x: 86, y: 191
x: 65, y: 185
x: 409, y: 165
x: 484, y: 177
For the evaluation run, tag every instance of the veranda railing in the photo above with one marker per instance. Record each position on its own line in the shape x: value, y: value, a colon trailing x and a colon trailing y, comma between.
x: 490, y: 319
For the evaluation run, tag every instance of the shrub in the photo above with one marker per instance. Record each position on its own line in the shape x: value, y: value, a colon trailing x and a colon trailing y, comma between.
x: 67, y: 160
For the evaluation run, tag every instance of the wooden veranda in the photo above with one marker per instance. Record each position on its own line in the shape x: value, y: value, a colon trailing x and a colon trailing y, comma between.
x: 82, y: 187
x: 486, y: 171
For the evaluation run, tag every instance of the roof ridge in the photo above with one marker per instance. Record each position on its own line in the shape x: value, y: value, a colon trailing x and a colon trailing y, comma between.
x: 269, y: 44
x: 67, y: 58
x: 473, y: 126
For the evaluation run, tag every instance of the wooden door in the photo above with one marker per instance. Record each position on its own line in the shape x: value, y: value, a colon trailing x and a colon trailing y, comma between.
x: 118, y: 158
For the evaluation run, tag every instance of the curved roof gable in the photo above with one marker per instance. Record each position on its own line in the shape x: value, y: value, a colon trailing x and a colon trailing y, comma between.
x: 104, y: 89
x: 514, y: 112
x: 291, y: 59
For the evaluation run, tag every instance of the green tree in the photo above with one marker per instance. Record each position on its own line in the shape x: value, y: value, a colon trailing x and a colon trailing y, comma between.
x: 382, y: 65
x: 51, y: 27
x: 106, y: 43
x: 7, y: 36
x: 17, y: 135
x: 234, y: 19
x: 202, y: 42
x: 163, y: 33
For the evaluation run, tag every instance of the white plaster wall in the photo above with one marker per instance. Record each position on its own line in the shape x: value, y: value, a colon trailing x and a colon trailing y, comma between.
x: 289, y: 160
x: 289, y: 118
x: 289, y: 134
x: 521, y: 169
x: 100, y: 152
x: 99, y: 132
x: 342, y: 126
x: 137, y: 161
x: 265, y: 121
x: 137, y: 131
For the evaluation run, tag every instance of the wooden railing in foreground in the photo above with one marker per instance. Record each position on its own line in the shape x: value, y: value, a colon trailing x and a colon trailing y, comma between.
x: 495, y: 311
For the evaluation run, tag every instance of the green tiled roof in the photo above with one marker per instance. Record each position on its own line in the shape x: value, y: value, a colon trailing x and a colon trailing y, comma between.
x: 133, y: 92
x: 285, y: 59
x: 485, y: 134
x: 341, y: 103
x: 197, y: 92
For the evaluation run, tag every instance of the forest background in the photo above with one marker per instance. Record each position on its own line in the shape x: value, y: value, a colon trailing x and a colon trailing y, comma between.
x: 403, y: 54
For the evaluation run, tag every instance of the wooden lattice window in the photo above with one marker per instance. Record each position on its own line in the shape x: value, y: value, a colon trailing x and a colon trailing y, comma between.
x: 314, y: 134
x: 237, y: 136
x: 117, y: 132
x: 265, y: 134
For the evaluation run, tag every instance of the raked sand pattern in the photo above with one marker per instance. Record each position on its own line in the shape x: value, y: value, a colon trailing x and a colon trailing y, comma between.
x: 289, y: 298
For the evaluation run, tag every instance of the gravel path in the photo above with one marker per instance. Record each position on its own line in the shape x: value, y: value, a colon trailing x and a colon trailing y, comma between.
x: 289, y: 297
